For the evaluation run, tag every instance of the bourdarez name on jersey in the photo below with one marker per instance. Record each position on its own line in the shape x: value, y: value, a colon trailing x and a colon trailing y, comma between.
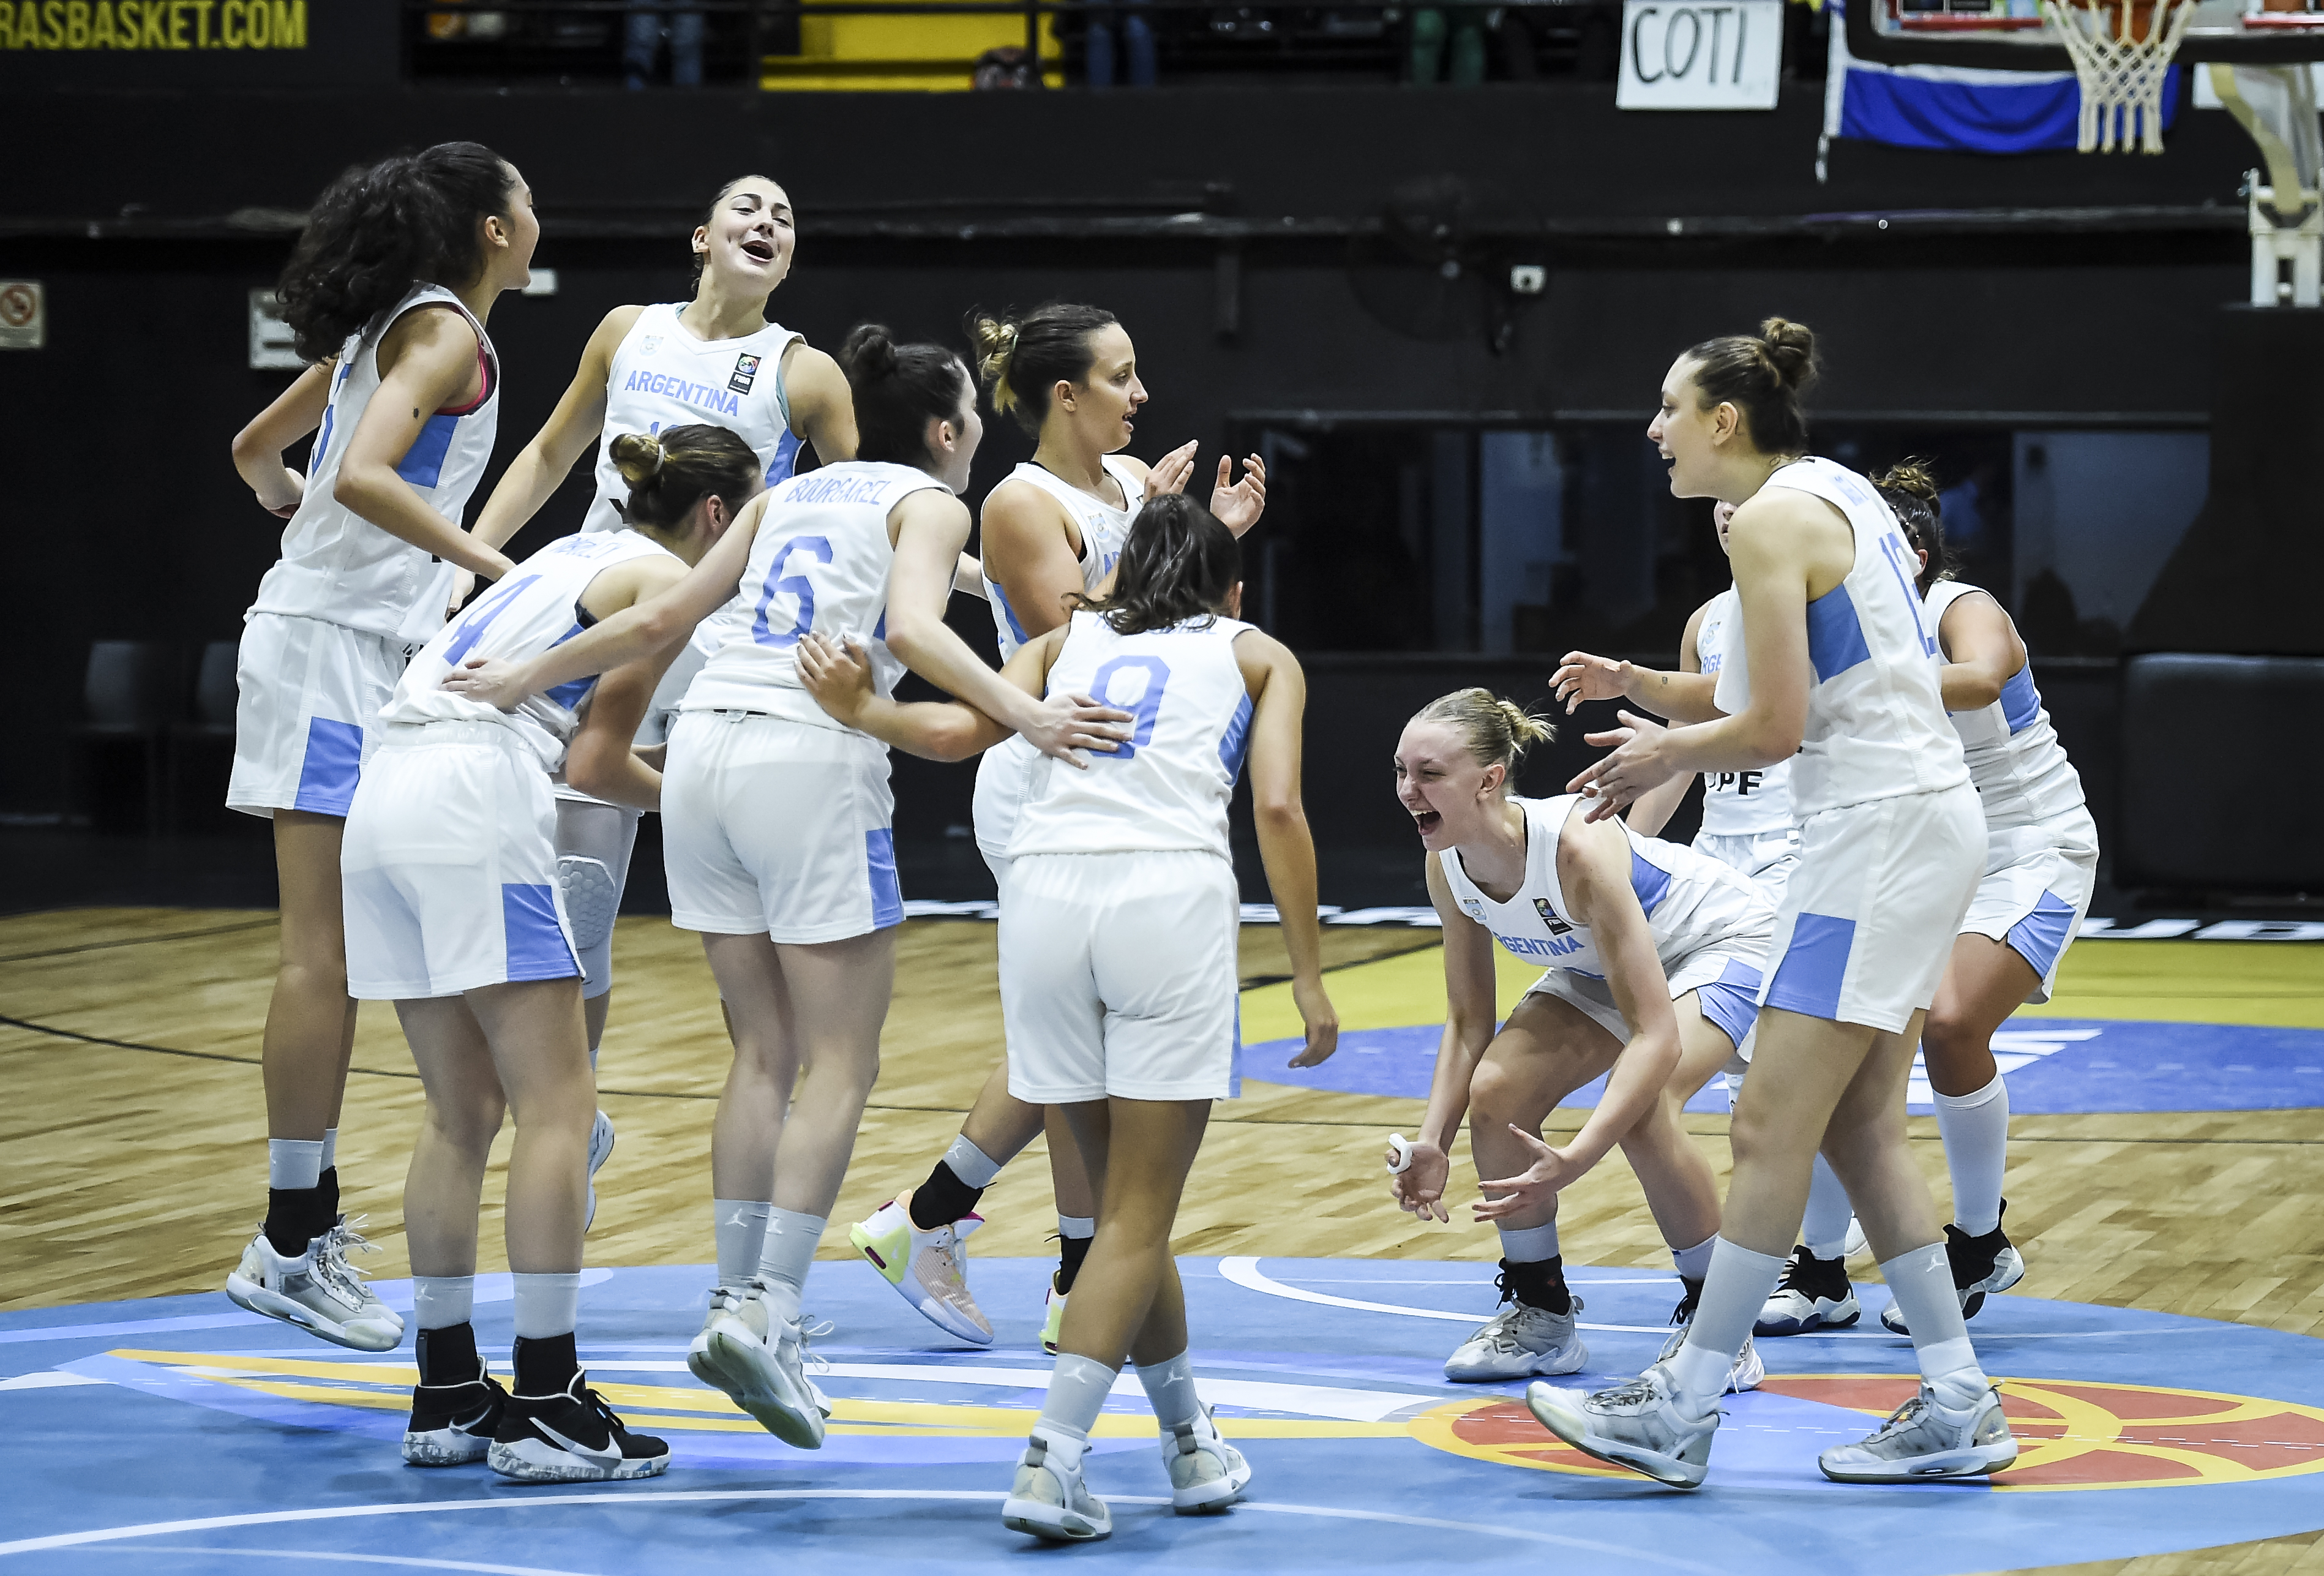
x: 1743, y: 783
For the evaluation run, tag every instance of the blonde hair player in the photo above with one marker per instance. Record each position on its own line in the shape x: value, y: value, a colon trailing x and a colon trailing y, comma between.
x: 1118, y: 946
x: 1838, y: 670
x: 777, y: 822
x: 1653, y: 955
x: 1068, y: 375
x: 716, y: 357
x: 1746, y: 824
x: 386, y: 295
x: 453, y: 914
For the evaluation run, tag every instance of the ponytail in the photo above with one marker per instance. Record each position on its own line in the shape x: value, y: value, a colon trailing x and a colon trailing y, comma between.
x: 1909, y: 488
x: 670, y: 472
x: 897, y: 390
x: 1022, y: 359
x: 1495, y: 731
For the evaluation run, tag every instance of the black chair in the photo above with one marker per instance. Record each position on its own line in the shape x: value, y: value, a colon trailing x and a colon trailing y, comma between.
x: 211, y: 727
x: 131, y: 695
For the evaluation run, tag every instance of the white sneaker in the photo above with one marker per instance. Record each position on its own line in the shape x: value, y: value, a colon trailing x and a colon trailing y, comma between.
x: 1743, y: 1374
x: 318, y: 1291
x: 1206, y: 1472
x: 601, y: 1149
x: 928, y: 1270
x: 1638, y: 1425
x: 1926, y: 1439
x: 758, y: 1362
x: 1050, y: 1500
x: 1519, y: 1342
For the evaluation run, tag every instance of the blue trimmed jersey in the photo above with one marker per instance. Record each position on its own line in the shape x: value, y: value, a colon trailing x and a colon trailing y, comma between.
x: 1103, y: 528
x: 1875, y: 721
x: 1691, y: 902
x: 537, y: 607
x: 340, y: 568
x: 663, y: 376
x: 2020, y: 769
x: 1166, y: 787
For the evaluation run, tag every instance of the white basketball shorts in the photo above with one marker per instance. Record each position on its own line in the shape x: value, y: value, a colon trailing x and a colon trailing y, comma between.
x: 1002, y: 775
x: 1725, y: 982
x: 448, y: 867
x: 2036, y: 889
x: 1868, y: 918
x: 775, y: 827
x: 1119, y: 976
x: 310, y: 688
x: 1768, y: 858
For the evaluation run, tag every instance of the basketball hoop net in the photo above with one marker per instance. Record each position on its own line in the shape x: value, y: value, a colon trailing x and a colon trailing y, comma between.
x: 2122, y: 51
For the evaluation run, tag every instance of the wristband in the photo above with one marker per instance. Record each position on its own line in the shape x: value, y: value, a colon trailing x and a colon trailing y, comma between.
x: 1400, y: 1147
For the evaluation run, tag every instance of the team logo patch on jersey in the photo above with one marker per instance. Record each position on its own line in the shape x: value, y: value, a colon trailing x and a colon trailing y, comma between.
x: 746, y: 370
x: 1549, y: 916
x: 1474, y: 909
x: 649, y: 345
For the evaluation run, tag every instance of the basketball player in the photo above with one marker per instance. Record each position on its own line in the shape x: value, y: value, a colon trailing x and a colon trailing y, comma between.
x: 1746, y: 824
x: 718, y: 357
x: 1653, y: 954
x: 387, y: 294
x: 777, y: 834
x: 453, y: 914
x: 1068, y: 375
x: 1117, y: 949
x: 2041, y: 863
x: 1838, y: 670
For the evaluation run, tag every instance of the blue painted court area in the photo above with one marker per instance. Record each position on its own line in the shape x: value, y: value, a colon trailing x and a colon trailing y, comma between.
x: 181, y: 1435
x: 2055, y: 1065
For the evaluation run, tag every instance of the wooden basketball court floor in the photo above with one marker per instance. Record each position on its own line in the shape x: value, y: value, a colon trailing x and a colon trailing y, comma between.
x: 131, y: 1134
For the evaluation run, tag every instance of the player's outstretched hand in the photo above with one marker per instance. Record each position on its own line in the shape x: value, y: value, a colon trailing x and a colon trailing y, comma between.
x: 1582, y: 676
x: 1173, y: 471
x: 1067, y: 723
x: 1419, y: 1189
x: 1238, y: 507
x: 1540, y: 1183
x: 838, y: 678
x: 1635, y: 765
x: 493, y: 680
x: 1323, y: 1021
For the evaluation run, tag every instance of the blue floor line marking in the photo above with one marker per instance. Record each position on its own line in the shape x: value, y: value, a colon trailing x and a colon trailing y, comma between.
x: 203, y: 1476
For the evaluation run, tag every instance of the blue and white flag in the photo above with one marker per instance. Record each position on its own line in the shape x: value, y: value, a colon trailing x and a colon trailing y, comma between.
x: 1961, y: 108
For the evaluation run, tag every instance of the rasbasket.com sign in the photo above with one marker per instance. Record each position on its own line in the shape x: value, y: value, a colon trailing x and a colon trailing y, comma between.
x: 196, y: 43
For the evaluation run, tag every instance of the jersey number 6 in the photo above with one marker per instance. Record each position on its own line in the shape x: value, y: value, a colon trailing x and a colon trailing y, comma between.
x: 798, y: 585
x: 1142, y: 711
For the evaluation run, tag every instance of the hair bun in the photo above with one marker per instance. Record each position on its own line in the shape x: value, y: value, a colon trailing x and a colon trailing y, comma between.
x: 1790, y: 350
x: 869, y: 354
x: 995, y: 339
x: 1911, y: 477
x: 638, y: 457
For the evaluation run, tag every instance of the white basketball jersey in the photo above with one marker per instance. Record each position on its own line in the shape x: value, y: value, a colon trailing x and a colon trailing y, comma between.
x: 820, y: 562
x: 1168, y: 786
x: 339, y: 566
x: 1875, y: 722
x: 2020, y: 769
x: 536, y: 607
x: 663, y: 376
x: 1738, y: 803
x: 1691, y: 902
x: 1103, y: 527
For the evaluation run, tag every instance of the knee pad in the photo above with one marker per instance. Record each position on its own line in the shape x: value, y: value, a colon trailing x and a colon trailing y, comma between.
x: 592, y: 898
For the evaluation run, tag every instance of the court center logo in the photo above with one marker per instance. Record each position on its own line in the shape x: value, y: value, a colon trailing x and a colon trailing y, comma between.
x: 2073, y: 1433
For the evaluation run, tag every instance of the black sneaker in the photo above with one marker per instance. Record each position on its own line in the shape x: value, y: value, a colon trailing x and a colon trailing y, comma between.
x: 1980, y: 1265
x: 1813, y: 1294
x: 571, y: 1437
x: 453, y: 1424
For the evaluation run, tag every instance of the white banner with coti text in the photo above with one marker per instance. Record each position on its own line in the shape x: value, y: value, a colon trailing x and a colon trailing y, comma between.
x: 1724, y: 54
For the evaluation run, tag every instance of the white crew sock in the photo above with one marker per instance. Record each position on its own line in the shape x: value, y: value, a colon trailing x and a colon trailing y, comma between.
x: 1170, y: 1386
x: 1078, y: 1386
x: 294, y: 1164
x: 791, y: 1239
x: 438, y: 1302
x: 1975, y: 1129
x: 1080, y: 1228
x: 331, y: 1152
x: 1824, y: 1227
x: 1694, y: 1263
x: 1733, y: 1292
x: 547, y: 1305
x: 740, y: 1224
x: 1921, y: 1282
x: 1529, y: 1244
x: 972, y: 1166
